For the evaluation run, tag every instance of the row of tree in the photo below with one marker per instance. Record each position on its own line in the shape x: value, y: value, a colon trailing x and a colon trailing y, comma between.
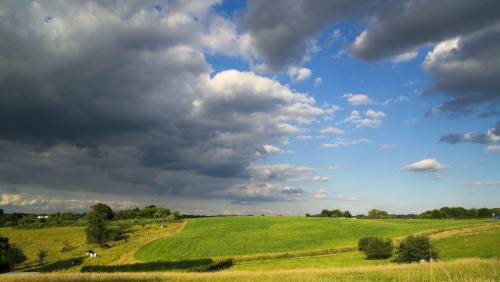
x: 442, y: 213
x: 70, y: 218
x: 331, y: 213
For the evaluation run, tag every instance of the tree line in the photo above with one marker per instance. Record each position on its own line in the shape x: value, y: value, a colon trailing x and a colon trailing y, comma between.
x: 70, y: 218
x: 442, y: 213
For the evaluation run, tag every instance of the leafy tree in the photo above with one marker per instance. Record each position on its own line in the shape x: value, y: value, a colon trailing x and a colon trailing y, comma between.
x: 414, y: 249
x: 379, y: 249
x: 363, y: 243
x: 104, y: 210
x: 374, y: 213
x: 347, y: 214
x: 97, y: 229
x: 42, y: 254
x: 176, y: 215
x: 10, y: 255
x: 375, y: 248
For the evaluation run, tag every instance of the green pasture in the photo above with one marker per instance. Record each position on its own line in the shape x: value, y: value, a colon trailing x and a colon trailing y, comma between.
x: 246, y: 236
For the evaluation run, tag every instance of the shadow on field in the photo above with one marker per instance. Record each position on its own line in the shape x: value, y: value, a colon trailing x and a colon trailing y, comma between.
x: 196, y: 265
x: 58, y: 265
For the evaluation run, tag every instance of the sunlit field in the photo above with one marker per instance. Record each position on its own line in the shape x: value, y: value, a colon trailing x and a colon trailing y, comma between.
x: 244, y: 236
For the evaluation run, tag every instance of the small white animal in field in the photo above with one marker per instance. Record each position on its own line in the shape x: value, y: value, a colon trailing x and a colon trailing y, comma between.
x: 91, y: 254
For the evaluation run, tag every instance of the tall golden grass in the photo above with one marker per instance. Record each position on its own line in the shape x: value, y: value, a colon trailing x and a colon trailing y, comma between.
x: 469, y: 270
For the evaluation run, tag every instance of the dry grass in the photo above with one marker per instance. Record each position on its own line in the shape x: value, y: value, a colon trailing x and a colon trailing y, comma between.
x: 464, y: 231
x: 459, y: 270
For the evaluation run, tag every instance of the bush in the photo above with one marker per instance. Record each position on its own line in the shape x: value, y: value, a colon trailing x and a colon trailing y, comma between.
x: 375, y: 248
x: 414, y: 249
x: 363, y: 243
x: 42, y: 254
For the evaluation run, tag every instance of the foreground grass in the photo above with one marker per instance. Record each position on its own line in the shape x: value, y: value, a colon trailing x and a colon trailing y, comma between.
x: 460, y: 270
x: 247, y: 236
x: 52, y: 239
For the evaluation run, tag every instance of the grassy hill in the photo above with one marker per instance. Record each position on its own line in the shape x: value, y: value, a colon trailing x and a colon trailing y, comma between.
x: 246, y: 236
x: 53, y: 240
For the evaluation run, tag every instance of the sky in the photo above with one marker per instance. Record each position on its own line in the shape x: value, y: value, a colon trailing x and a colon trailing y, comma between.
x: 249, y: 107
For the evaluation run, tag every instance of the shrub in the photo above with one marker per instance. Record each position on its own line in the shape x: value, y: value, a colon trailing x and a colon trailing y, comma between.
x: 363, y: 243
x: 414, y: 249
x: 375, y: 248
x: 379, y: 249
x: 67, y: 246
x: 42, y: 254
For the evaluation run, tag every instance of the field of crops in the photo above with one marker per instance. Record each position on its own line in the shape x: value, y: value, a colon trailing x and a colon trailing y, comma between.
x: 244, y: 236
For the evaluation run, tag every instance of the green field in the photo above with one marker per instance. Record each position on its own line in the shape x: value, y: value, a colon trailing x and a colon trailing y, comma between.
x: 263, y: 249
x: 244, y: 236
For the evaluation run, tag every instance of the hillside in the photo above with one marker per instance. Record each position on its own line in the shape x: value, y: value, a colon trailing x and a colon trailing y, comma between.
x: 246, y: 236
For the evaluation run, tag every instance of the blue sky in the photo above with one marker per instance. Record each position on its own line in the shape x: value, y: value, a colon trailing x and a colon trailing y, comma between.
x: 235, y: 107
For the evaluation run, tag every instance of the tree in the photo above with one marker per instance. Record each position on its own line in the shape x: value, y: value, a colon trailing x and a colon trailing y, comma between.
x: 375, y: 248
x: 374, y: 213
x: 10, y: 255
x: 379, y: 249
x: 97, y: 229
x: 42, y: 254
x: 414, y: 249
x: 104, y: 210
x: 176, y: 215
x: 347, y: 214
x: 363, y: 243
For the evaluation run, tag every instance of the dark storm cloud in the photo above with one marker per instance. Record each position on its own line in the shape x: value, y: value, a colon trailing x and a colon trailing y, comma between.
x: 466, y: 69
x: 420, y: 22
x: 116, y: 97
x: 282, y: 32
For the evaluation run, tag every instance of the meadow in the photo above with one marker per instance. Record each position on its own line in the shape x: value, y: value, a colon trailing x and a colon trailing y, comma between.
x: 246, y: 236
x: 262, y: 249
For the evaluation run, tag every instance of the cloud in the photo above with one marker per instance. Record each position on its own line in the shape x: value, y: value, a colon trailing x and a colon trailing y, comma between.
x: 278, y: 172
x: 252, y: 193
x: 270, y: 149
x: 318, y: 81
x: 464, y: 69
x: 321, y: 194
x: 494, y: 149
x: 357, y: 99
x: 387, y: 146
x: 341, y: 197
x: 336, y: 167
x: 405, y: 57
x: 25, y: 201
x: 342, y: 142
x: 118, y: 97
x: 282, y: 37
x: 492, y: 135
x: 407, y: 25
x: 332, y: 130
x: 299, y: 74
x: 371, y: 118
x: 479, y: 184
x: 318, y: 178
x: 425, y: 165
